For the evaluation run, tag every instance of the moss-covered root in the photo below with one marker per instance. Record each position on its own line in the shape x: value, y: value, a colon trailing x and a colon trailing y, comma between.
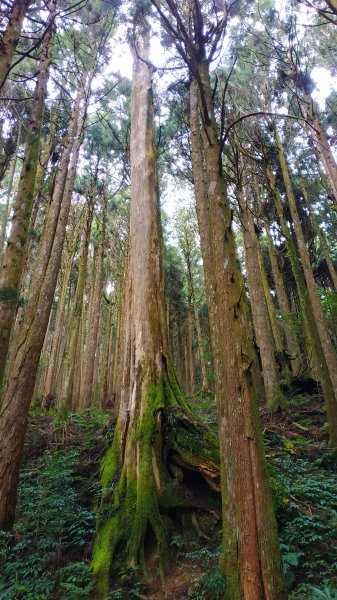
x: 132, y: 476
x: 137, y: 485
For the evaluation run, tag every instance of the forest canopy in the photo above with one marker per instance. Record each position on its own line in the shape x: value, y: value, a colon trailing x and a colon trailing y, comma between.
x: 168, y: 299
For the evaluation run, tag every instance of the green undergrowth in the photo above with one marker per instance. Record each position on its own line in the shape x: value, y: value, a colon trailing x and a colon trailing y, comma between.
x: 304, y: 481
x: 190, y: 555
x: 49, y: 552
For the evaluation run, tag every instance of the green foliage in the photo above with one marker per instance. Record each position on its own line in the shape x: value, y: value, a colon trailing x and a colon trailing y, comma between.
x: 191, y: 553
x: 305, y: 496
x: 45, y: 550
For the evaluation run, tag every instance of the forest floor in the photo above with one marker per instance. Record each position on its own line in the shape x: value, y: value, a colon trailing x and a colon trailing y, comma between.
x: 48, y: 554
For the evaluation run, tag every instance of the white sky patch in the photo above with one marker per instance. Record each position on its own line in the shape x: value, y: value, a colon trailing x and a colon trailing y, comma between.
x: 325, y: 84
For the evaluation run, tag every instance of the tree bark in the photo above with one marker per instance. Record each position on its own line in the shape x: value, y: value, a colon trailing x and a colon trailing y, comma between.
x: 250, y: 557
x: 311, y: 326
x: 332, y: 4
x: 11, y: 36
x: 66, y: 392
x: 18, y: 393
x: 53, y: 366
x: 322, y: 240
x: 321, y: 142
x: 93, y: 323
x: 320, y: 319
x: 136, y: 478
x: 14, y: 259
x: 6, y: 209
x: 292, y: 342
x: 262, y: 326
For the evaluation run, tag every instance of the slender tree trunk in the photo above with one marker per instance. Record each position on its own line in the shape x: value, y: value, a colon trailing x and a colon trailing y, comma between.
x: 204, y: 383
x: 180, y: 369
x: 190, y: 353
x: 291, y: 339
x: 262, y: 327
x: 107, y: 349
x: 93, y: 323
x: 66, y: 393
x: 6, y: 209
x: 281, y: 353
x: 11, y: 35
x: 49, y: 387
x: 14, y: 258
x: 306, y: 296
x: 53, y: 366
x: 321, y: 323
x: 18, y: 393
x: 251, y: 556
x: 322, y: 240
x: 321, y: 142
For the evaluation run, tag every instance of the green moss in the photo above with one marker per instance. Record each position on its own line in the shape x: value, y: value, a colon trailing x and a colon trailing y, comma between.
x: 277, y: 401
x: 136, y: 485
x: 102, y: 556
x: 130, y: 505
x: 9, y: 295
x: 111, y: 461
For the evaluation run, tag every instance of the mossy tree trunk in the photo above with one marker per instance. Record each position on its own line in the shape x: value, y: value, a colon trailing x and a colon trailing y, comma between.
x: 66, y: 391
x: 262, y: 326
x: 10, y: 37
x: 56, y: 334
x: 250, y: 556
x: 284, y: 305
x: 310, y: 327
x: 321, y: 141
x: 93, y: 323
x: 14, y: 259
x: 320, y: 235
x: 136, y: 479
x: 317, y: 309
x: 24, y: 364
x: 6, y: 209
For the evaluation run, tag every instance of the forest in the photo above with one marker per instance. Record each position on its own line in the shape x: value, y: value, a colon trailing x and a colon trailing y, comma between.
x: 168, y: 299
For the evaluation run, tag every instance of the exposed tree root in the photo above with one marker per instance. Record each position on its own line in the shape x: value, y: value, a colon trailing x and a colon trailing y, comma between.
x: 167, y: 460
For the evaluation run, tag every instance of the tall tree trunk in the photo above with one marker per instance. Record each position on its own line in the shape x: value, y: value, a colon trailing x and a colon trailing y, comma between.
x: 14, y: 259
x: 321, y: 142
x: 18, y: 393
x: 93, y: 322
x: 136, y: 479
x: 190, y: 353
x: 6, y: 209
x: 321, y: 323
x: 51, y: 377
x: 322, y: 370
x: 251, y: 556
x: 66, y: 393
x: 204, y: 383
x: 50, y: 381
x: 322, y: 240
x: 11, y: 35
x: 262, y: 327
x: 107, y: 350
x: 281, y: 352
x: 284, y: 305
